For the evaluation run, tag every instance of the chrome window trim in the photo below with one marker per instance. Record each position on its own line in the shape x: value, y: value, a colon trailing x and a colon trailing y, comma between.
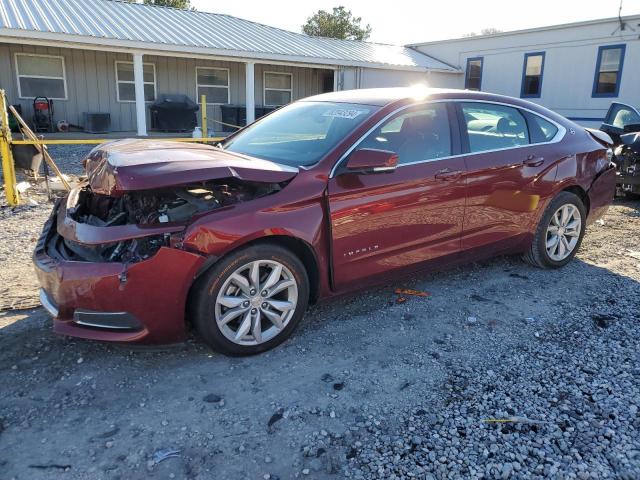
x: 557, y: 138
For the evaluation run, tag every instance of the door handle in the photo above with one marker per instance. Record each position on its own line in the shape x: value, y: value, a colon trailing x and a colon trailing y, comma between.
x: 533, y: 161
x: 447, y: 174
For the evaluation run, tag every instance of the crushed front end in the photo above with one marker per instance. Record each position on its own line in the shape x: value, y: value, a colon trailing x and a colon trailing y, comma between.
x: 129, y: 290
x: 627, y: 158
x: 111, y: 262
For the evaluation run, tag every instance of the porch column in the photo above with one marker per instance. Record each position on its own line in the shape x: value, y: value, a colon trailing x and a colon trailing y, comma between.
x: 138, y: 77
x: 336, y: 77
x: 250, y: 94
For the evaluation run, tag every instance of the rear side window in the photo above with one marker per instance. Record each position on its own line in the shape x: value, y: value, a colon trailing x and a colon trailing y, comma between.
x: 494, y: 127
x: 540, y: 130
x: 421, y: 133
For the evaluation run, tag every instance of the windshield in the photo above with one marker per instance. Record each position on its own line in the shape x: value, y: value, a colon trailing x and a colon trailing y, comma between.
x: 301, y: 133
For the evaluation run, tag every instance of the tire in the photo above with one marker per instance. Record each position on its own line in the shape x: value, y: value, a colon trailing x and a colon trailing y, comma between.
x: 226, y: 291
x: 538, y: 254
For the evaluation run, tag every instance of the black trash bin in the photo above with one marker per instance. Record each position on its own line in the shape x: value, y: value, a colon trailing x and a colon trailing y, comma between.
x: 173, y: 113
x: 26, y: 157
x: 232, y: 115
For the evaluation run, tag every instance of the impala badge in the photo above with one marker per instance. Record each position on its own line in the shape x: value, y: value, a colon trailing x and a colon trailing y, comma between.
x: 359, y: 251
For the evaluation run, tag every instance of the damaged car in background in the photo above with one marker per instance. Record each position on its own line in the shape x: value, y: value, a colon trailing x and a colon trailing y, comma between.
x: 622, y: 123
x: 325, y: 196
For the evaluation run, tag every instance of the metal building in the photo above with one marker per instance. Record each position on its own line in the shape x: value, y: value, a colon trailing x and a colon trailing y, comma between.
x: 116, y: 57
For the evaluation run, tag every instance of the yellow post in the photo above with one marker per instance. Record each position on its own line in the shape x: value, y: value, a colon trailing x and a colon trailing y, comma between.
x: 203, y: 101
x: 8, y: 168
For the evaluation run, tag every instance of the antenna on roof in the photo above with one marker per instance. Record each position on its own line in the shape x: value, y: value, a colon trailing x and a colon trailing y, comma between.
x: 622, y: 24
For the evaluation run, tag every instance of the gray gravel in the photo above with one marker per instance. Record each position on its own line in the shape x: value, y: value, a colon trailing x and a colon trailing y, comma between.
x: 505, y: 371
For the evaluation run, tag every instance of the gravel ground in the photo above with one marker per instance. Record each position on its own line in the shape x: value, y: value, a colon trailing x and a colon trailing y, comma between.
x: 505, y: 371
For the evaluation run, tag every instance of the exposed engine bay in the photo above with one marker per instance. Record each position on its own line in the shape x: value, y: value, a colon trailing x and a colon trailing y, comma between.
x: 171, y: 205
x: 627, y: 159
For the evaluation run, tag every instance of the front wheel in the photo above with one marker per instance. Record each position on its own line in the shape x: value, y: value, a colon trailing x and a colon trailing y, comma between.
x: 251, y: 300
x: 559, y: 233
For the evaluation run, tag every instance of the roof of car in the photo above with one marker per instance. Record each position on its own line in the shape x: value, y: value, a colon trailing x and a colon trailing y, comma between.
x: 385, y: 96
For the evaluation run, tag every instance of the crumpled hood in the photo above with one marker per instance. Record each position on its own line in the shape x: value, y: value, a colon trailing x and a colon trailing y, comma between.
x: 114, y: 168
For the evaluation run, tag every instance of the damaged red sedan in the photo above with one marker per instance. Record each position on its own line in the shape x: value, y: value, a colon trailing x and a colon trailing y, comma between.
x: 324, y: 196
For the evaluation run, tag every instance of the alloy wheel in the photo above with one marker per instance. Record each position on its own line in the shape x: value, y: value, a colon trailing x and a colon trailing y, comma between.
x: 563, y: 232
x: 256, y: 302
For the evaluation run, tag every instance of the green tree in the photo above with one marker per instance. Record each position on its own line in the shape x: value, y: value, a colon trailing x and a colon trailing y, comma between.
x: 338, y: 24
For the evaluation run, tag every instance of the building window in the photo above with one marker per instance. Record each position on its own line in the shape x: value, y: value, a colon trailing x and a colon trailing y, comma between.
x: 473, y: 77
x: 214, y: 83
x: 41, y: 76
x: 532, y: 74
x: 278, y: 88
x: 608, y: 71
x: 126, y: 85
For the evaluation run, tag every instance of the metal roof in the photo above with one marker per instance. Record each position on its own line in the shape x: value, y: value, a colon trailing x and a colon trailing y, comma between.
x: 148, y: 26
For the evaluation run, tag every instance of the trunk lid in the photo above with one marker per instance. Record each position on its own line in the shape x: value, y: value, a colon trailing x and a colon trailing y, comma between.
x: 114, y: 168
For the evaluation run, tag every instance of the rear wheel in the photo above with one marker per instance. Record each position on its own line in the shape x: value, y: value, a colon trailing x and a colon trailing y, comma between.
x: 251, y: 300
x: 559, y: 233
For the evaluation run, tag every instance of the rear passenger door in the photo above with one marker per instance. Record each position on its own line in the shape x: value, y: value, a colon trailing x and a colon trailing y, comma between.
x: 508, y: 172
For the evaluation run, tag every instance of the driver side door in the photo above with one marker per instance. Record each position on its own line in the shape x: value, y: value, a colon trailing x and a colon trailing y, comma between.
x: 399, y: 219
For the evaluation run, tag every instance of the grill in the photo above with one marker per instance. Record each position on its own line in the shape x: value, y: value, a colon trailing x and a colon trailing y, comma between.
x: 173, y: 113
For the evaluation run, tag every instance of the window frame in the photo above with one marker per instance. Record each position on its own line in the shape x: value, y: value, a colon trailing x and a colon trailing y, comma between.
x: 466, y: 73
x: 133, y: 82
x: 524, y: 94
x: 601, y: 49
x: 228, y: 86
x: 46, y: 77
x: 456, y: 129
x: 264, y: 88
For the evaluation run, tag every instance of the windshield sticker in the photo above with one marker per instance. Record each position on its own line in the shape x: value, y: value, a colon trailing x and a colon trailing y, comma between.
x: 349, y: 114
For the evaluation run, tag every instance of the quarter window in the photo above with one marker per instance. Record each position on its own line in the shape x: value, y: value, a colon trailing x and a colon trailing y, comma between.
x: 416, y: 135
x: 214, y: 83
x: 473, y: 76
x: 278, y: 88
x: 608, y: 71
x: 41, y: 76
x: 494, y: 127
x: 532, y: 74
x: 540, y: 130
x: 125, y: 82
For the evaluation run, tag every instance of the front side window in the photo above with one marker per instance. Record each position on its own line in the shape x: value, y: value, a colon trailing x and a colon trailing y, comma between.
x: 301, y: 133
x: 41, y: 76
x: 419, y: 134
x: 494, y: 127
x: 278, y: 88
x: 532, y: 75
x: 473, y: 76
x: 608, y: 71
x: 125, y: 83
x: 214, y: 83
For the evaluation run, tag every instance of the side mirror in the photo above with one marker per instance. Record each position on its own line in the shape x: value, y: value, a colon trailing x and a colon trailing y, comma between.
x: 371, y: 160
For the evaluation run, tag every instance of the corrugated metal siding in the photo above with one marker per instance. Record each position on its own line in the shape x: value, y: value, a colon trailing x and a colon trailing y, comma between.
x: 91, y: 82
x: 110, y: 19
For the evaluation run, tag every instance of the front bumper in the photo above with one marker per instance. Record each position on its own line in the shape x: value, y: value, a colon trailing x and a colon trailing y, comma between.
x: 142, y: 302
